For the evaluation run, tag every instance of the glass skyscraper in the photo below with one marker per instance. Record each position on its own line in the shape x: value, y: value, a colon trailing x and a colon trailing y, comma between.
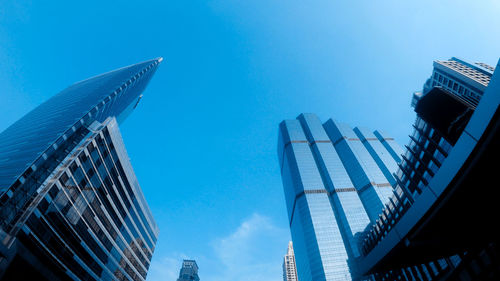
x: 189, y: 271
x: 71, y: 207
x: 336, y: 181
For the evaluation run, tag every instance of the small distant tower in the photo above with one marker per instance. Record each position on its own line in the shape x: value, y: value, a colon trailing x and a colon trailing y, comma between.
x: 289, y: 268
x: 189, y: 271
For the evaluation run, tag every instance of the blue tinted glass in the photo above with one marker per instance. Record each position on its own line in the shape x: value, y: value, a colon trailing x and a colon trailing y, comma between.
x: 109, y: 94
x: 333, y: 186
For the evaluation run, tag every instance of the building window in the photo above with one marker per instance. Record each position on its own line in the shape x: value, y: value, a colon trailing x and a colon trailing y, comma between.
x: 439, y: 156
x: 426, y: 145
x: 427, y: 176
x: 444, y: 145
x: 433, y: 167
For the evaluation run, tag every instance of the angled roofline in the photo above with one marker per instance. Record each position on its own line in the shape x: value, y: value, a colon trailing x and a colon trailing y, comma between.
x: 20, y: 177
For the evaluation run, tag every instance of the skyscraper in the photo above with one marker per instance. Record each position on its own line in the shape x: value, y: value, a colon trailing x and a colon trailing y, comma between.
x: 189, y: 271
x: 454, y: 134
x: 457, y: 85
x: 71, y: 207
x: 336, y: 181
x: 289, y: 267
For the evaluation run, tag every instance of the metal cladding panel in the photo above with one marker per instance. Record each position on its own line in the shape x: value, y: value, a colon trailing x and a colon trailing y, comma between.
x: 98, y: 97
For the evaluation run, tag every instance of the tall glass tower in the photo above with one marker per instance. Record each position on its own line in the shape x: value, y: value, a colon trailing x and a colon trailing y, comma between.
x: 71, y: 207
x: 336, y: 181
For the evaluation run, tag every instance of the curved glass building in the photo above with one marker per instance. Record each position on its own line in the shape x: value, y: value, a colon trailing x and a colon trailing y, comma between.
x: 71, y: 207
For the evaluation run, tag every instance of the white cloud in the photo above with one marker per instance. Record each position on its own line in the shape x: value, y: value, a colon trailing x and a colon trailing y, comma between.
x: 239, y: 244
x: 253, y: 251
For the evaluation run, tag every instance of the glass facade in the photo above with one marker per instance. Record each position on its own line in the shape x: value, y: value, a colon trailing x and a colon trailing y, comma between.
x: 333, y: 186
x: 71, y: 207
x: 34, y: 135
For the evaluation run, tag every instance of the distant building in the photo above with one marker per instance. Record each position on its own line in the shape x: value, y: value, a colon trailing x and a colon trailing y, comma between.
x: 336, y: 181
x: 189, y: 271
x: 289, y: 268
x: 71, y: 207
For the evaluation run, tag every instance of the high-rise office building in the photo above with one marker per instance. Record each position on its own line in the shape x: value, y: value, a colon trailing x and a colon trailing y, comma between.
x: 71, y: 207
x: 443, y: 169
x: 289, y: 267
x: 189, y: 271
x: 458, y: 86
x: 336, y: 181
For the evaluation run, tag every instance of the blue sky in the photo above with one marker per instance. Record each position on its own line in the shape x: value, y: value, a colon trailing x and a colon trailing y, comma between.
x: 203, y: 139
